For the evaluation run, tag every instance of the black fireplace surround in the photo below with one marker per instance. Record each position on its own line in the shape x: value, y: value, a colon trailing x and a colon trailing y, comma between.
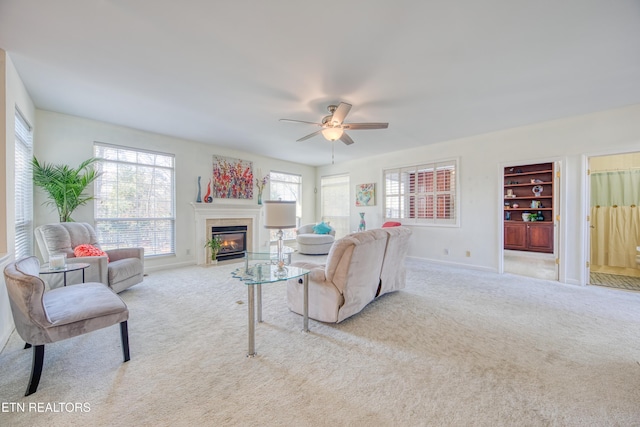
x: 234, y: 241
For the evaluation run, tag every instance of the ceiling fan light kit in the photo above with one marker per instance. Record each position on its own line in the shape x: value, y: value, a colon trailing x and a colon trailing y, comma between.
x: 333, y: 125
x: 332, y: 134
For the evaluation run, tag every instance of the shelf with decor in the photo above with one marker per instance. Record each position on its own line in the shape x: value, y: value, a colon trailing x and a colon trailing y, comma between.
x: 528, y: 189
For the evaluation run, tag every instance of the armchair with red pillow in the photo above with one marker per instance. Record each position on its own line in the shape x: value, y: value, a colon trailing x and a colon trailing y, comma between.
x: 116, y: 268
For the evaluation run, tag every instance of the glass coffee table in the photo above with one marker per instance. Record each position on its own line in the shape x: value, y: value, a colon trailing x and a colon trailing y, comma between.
x: 263, y: 268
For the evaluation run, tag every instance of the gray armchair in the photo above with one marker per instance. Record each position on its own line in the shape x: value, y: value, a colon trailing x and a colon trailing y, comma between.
x: 47, y: 317
x: 124, y: 269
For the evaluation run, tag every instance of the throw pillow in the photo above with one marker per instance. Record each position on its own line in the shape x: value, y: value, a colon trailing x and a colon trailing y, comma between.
x: 89, y: 250
x: 321, y: 228
x: 391, y: 224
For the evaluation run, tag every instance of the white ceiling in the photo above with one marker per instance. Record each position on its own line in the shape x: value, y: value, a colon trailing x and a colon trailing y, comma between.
x: 224, y: 72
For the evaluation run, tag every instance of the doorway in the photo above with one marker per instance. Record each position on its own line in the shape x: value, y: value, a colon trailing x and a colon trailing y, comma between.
x: 614, y: 221
x: 530, y: 219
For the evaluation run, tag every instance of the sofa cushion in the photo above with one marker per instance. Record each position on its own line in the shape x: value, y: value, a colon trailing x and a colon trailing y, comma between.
x: 321, y: 228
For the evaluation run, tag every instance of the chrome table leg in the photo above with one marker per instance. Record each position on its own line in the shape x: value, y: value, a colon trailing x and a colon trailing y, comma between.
x: 259, y: 303
x: 252, y: 326
x: 306, y: 303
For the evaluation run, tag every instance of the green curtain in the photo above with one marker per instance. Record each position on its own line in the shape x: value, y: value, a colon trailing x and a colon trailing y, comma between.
x: 615, y: 218
x: 621, y: 188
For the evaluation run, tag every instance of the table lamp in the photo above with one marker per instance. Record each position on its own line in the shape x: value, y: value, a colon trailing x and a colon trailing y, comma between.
x: 278, y: 215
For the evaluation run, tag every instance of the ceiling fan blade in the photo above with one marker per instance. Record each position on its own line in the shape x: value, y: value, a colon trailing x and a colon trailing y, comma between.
x: 346, y: 139
x: 300, y: 121
x: 311, y: 135
x: 365, y: 125
x: 340, y: 113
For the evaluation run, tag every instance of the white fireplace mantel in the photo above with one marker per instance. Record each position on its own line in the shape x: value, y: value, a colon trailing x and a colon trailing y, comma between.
x: 227, y: 211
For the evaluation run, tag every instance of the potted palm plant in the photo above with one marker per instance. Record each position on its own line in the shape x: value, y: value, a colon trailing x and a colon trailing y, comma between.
x: 65, y: 185
x: 214, y: 244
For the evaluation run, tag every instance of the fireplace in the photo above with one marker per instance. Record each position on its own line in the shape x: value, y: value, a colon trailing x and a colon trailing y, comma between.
x: 234, y: 241
x: 225, y: 214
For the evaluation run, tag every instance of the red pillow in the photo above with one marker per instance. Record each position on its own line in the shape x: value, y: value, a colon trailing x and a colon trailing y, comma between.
x: 391, y: 224
x: 88, y: 250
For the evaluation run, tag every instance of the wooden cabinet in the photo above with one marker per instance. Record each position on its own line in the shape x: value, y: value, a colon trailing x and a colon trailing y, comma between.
x: 528, y: 236
x: 515, y: 236
x: 528, y: 190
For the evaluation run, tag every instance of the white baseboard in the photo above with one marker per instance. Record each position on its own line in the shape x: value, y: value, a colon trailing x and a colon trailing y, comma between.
x: 151, y: 269
x: 456, y: 264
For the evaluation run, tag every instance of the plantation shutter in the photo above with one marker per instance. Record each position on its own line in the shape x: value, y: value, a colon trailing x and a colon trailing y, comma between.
x: 422, y: 194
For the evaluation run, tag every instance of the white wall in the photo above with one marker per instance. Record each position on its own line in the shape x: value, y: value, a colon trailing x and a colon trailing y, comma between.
x: 481, y: 162
x: 67, y: 139
x: 15, y: 96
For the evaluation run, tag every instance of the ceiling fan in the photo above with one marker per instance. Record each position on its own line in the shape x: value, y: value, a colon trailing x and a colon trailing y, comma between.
x: 333, y: 126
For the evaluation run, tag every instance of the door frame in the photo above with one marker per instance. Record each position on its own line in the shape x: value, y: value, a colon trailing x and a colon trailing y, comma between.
x: 559, y: 183
x: 586, y: 207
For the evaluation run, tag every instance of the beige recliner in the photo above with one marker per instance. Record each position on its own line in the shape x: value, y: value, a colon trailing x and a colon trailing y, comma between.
x: 347, y: 282
x: 125, y: 267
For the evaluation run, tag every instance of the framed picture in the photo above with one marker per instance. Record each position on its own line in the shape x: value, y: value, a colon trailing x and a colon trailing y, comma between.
x: 366, y: 194
x: 232, y: 178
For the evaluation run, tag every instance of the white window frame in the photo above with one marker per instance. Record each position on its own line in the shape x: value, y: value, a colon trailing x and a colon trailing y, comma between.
x: 339, y: 222
x: 286, y: 190
x: 397, y: 196
x: 23, y: 187
x: 155, y: 231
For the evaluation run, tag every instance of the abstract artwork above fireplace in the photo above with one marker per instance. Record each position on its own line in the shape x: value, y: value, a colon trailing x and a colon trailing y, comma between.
x: 232, y: 178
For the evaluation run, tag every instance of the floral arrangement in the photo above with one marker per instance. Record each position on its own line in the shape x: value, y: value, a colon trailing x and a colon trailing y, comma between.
x: 261, y: 182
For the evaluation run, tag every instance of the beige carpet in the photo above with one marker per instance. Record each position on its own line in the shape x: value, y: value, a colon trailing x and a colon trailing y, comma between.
x: 456, y: 348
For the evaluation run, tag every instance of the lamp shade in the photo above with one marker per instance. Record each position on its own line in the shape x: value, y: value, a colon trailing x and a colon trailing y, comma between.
x: 279, y: 214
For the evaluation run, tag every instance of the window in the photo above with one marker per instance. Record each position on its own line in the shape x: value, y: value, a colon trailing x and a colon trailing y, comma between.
x: 287, y: 187
x: 23, y: 188
x: 422, y: 194
x: 135, y: 196
x: 334, y: 195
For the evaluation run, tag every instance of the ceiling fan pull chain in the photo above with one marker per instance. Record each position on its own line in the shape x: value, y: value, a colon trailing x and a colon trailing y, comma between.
x: 333, y: 147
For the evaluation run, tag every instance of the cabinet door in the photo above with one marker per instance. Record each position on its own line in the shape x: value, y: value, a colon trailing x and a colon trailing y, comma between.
x: 540, y: 237
x: 515, y: 236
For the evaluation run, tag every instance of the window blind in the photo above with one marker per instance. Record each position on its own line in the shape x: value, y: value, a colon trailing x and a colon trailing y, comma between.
x: 334, y: 195
x: 287, y: 187
x: 23, y: 178
x: 135, y: 199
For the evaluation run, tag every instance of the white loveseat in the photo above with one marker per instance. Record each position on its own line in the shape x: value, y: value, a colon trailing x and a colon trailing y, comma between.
x: 359, y: 267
